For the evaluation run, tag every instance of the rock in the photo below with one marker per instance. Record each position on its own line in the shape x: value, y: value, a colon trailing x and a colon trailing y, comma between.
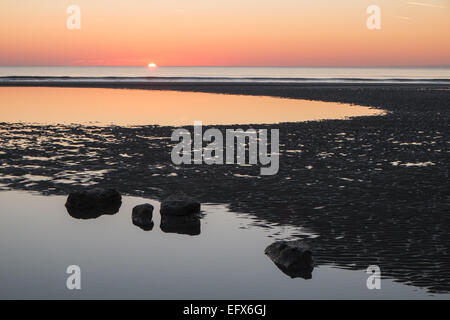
x: 292, y: 258
x: 179, y: 205
x: 142, y: 216
x: 189, y: 224
x: 91, y: 204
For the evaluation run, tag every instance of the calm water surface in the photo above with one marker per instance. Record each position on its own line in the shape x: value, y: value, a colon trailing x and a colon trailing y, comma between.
x: 169, y: 108
x: 119, y: 260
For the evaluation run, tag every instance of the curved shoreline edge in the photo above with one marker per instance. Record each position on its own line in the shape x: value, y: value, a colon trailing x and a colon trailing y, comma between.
x: 391, y: 97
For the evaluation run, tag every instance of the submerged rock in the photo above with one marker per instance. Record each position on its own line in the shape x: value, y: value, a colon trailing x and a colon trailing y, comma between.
x: 179, y: 205
x: 142, y: 216
x: 189, y: 224
x: 292, y: 258
x: 93, y: 203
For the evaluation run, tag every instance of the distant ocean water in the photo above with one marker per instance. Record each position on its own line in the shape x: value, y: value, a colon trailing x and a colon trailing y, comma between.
x: 227, y: 74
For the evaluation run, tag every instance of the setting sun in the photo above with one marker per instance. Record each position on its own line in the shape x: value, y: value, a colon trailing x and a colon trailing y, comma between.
x: 152, y: 65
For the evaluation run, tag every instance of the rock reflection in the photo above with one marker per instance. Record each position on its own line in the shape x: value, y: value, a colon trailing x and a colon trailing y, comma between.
x: 92, y: 213
x: 294, y: 272
x: 188, y: 225
x: 146, y: 227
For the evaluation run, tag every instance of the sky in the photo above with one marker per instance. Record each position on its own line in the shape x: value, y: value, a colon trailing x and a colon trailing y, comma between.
x: 225, y: 33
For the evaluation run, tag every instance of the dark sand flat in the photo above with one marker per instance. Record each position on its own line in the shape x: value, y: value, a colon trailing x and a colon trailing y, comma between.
x: 374, y: 189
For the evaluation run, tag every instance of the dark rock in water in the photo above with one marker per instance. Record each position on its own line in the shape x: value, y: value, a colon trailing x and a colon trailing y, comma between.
x: 142, y: 216
x: 179, y: 205
x: 91, y: 204
x: 293, y: 258
x: 189, y: 224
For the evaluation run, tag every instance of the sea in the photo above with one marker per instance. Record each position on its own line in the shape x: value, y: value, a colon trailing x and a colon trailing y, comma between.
x: 438, y: 75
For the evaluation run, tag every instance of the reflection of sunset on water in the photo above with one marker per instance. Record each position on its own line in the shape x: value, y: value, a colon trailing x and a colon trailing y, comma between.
x: 139, y: 107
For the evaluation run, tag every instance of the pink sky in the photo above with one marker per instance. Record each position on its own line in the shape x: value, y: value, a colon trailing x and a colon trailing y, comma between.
x: 232, y: 33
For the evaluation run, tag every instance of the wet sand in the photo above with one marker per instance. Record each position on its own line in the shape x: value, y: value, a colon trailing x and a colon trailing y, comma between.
x: 375, y: 189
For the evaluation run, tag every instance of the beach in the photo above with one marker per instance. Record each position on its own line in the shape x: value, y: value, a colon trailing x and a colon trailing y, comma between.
x: 225, y: 159
x: 372, y: 190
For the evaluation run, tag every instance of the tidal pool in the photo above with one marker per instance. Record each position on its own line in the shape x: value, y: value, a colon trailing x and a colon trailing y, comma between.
x: 224, y: 260
x: 165, y: 108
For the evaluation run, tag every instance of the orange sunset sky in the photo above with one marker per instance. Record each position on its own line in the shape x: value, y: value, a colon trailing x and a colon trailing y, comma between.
x: 225, y: 33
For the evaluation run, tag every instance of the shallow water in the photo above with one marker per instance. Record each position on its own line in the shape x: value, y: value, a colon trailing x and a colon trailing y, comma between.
x: 118, y: 260
x: 166, y: 108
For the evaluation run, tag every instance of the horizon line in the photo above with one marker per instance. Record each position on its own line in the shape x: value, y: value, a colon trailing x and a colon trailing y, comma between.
x: 241, y: 66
